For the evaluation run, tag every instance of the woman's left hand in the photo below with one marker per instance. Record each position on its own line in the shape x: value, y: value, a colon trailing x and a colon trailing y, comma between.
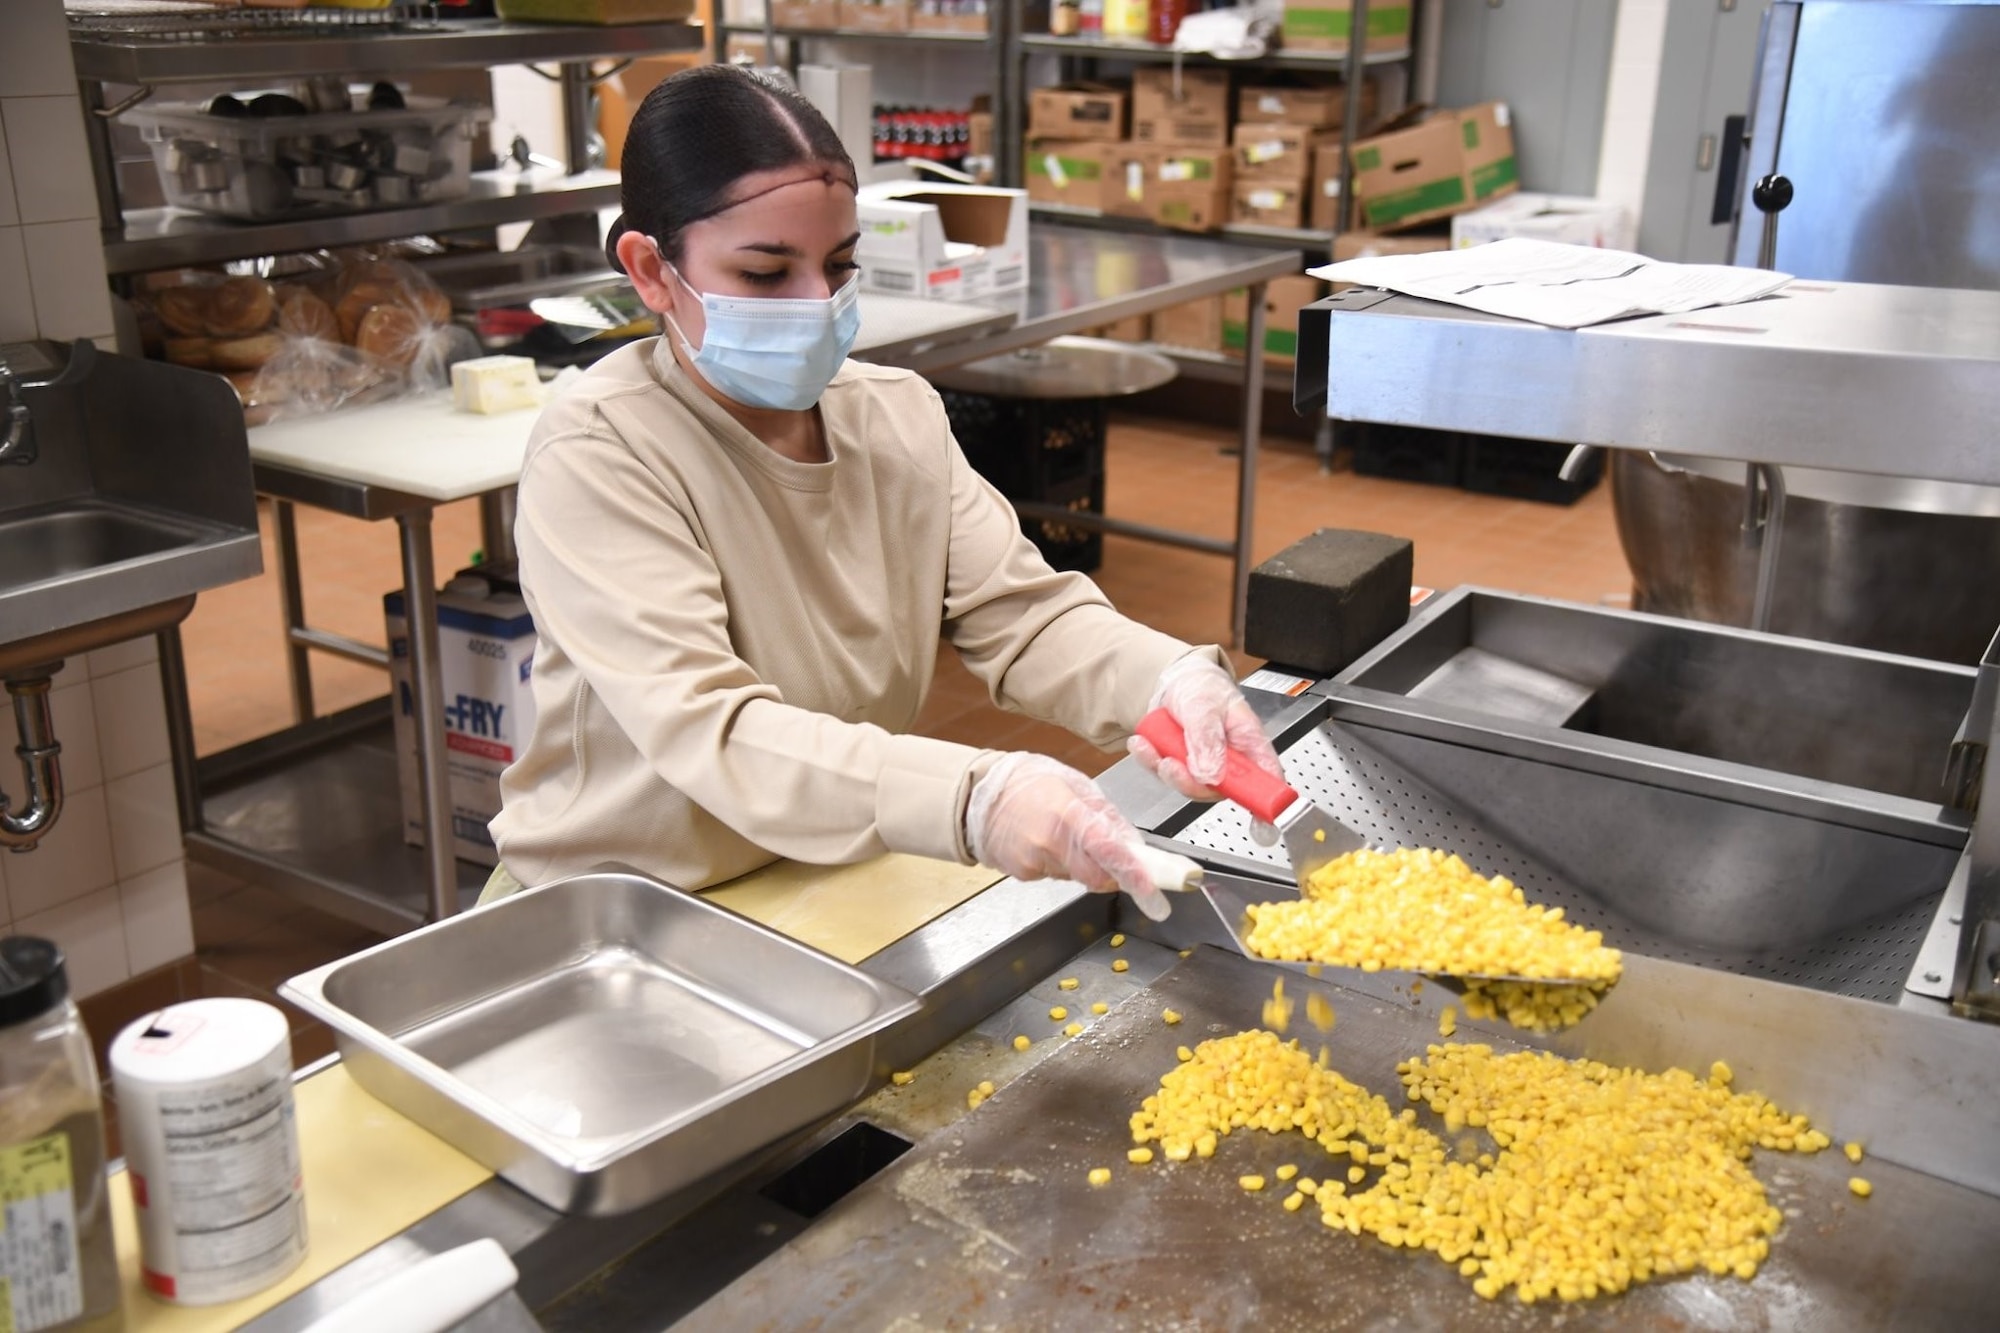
x: 1216, y: 718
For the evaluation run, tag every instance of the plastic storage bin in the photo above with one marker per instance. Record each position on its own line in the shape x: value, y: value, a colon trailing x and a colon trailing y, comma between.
x: 262, y: 168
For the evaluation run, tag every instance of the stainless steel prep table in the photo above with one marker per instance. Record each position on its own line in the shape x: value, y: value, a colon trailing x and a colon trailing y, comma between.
x: 986, y: 1221
x: 313, y: 810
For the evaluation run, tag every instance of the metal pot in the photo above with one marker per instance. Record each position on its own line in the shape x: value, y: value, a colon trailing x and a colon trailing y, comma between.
x: 1894, y: 565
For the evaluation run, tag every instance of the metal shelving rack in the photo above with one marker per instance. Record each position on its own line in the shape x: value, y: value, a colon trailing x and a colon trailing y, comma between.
x: 1003, y: 21
x: 336, y: 839
x: 140, y: 240
x: 1082, y: 54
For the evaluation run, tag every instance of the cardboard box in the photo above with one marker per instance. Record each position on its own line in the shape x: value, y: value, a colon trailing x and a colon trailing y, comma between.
x: 1283, y: 299
x: 486, y: 650
x: 875, y: 15
x: 1196, y: 325
x: 1065, y: 173
x: 1137, y: 329
x: 844, y: 94
x: 1444, y: 165
x: 1323, y: 25
x: 1280, y: 153
x: 1547, y: 217
x: 1189, y: 188
x: 1128, y: 167
x: 952, y: 242
x: 1371, y: 244
x: 1324, y: 105
x: 1269, y: 203
x: 1075, y: 111
x: 1323, y: 206
x: 805, y: 13
x: 969, y: 16
x: 1200, y: 115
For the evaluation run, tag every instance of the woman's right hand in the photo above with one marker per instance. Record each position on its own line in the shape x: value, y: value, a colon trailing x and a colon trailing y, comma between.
x: 1035, y: 818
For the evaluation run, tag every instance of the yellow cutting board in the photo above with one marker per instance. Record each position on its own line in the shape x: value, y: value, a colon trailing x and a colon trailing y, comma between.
x: 369, y: 1173
x: 852, y: 911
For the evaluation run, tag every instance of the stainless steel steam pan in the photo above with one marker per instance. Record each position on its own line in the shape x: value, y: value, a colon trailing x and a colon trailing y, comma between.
x: 603, y: 1040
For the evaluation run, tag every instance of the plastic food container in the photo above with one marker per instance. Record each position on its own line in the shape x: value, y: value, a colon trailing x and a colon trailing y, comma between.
x: 260, y: 169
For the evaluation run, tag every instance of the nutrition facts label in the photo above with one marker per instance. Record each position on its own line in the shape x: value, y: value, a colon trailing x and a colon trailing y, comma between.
x: 231, y: 1179
x: 41, y: 1275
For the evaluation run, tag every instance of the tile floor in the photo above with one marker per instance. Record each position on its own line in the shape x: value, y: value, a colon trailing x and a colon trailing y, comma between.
x: 249, y: 938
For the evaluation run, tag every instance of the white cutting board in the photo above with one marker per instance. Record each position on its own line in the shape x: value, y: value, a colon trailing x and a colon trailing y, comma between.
x: 420, y: 446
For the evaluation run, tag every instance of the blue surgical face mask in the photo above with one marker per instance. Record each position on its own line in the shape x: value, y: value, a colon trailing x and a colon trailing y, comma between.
x: 773, y: 352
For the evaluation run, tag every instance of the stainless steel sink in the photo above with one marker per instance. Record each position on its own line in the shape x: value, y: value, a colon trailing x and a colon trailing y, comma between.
x: 130, y: 494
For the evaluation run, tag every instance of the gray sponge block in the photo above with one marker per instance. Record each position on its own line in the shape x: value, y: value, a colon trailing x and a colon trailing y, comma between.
x: 1322, y: 602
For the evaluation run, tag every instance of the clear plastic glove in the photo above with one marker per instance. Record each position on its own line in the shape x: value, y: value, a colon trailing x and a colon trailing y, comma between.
x: 1035, y: 818
x: 1216, y: 718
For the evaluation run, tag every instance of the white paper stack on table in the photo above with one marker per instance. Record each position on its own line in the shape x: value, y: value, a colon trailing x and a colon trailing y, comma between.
x: 1565, y: 286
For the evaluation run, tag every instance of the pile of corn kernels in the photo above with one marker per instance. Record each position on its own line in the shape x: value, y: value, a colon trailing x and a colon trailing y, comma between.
x: 1416, y: 910
x: 1599, y: 1178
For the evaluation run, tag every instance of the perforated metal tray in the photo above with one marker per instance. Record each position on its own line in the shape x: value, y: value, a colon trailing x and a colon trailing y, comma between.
x: 1367, y: 777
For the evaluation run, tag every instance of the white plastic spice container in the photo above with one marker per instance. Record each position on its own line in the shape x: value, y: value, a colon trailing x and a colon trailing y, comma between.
x: 58, y: 1266
x: 211, y: 1148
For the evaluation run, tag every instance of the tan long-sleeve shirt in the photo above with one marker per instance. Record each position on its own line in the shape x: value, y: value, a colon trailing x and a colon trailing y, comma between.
x: 731, y: 644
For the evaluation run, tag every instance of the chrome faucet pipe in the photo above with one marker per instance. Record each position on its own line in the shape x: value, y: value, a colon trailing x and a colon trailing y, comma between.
x: 20, y: 831
x: 13, y: 441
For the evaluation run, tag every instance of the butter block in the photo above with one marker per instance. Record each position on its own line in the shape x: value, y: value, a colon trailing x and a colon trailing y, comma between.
x: 490, y: 384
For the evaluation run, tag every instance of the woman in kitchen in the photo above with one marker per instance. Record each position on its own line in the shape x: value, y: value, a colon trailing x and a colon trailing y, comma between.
x: 742, y: 550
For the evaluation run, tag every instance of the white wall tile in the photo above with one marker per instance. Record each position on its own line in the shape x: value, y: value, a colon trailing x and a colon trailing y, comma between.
x: 131, y: 720
x: 74, y: 669
x: 91, y: 933
x: 124, y: 656
x: 76, y: 731
x: 52, y: 177
x: 72, y: 861
x: 66, y: 270
x: 34, y: 58
x: 17, y: 302
x: 159, y: 928
x: 8, y: 214
x: 145, y: 820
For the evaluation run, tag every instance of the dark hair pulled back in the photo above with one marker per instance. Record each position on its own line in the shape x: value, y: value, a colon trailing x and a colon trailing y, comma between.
x: 700, y: 132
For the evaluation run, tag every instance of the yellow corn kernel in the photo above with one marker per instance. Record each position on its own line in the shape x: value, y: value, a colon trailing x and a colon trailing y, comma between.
x: 1286, y: 1172
x: 1022, y: 1043
x: 1278, y: 1009
x: 1073, y: 1030
x: 1139, y: 1156
x: 1859, y: 1187
x: 1251, y: 1183
x: 1319, y: 835
x: 1100, y: 1007
x: 1853, y: 1151
x: 1307, y: 1185
x: 1058, y: 1014
x: 1448, y: 1021
x: 903, y: 1078
x: 1721, y: 1074
x: 1319, y: 1012
x: 1119, y: 965
x: 973, y: 1098
x: 1068, y: 983
x: 1356, y: 1174
x: 1204, y: 1145
x: 1187, y: 953
x: 1170, y: 1016
x: 1295, y: 1202
x: 1183, y: 1054
x: 1424, y: 911
x: 986, y: 1088
x: 1100, y: 1175
x: 1117, y: 941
